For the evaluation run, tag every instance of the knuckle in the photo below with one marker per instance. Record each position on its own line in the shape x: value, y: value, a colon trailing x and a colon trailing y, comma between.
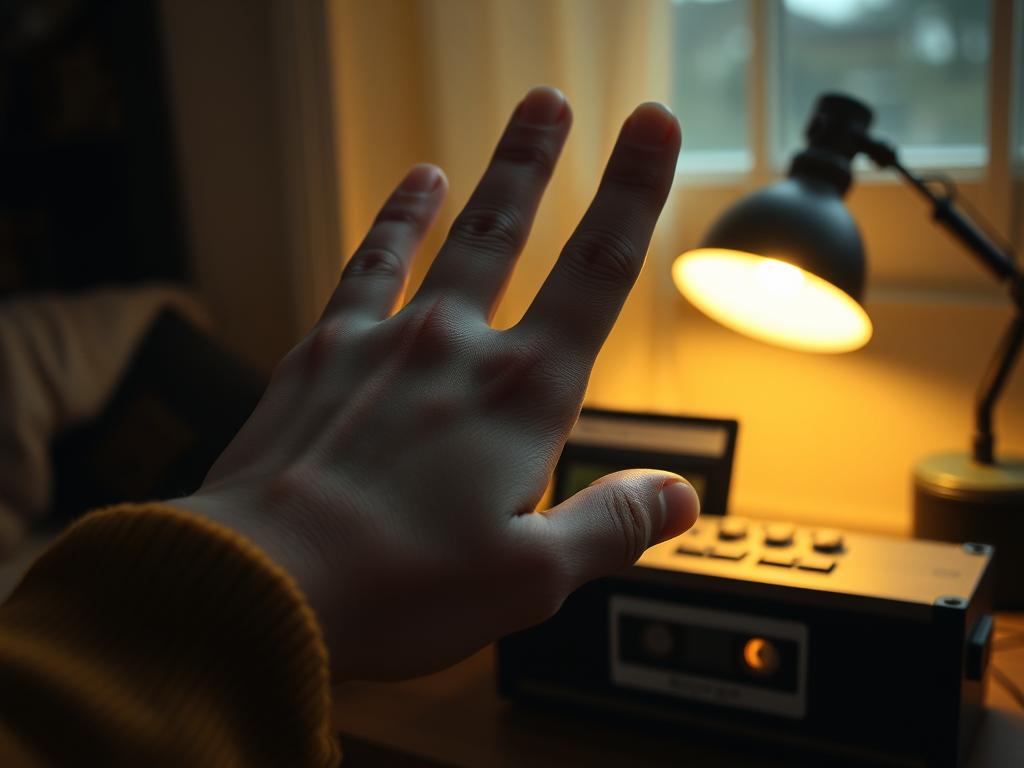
x: 538, y: 157
x: 399, y: 214
x: 432, y: 333
x: 603, y: 256
x: 511, y: 375
x: 634, y: 524
x: 324, y: 344
x: 562, y: 384
x: 375, y: 262
x: 495, y: 228
x: 646, y: 182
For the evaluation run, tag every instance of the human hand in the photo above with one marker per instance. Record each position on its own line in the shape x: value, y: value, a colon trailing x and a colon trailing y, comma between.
x: 395, y: 462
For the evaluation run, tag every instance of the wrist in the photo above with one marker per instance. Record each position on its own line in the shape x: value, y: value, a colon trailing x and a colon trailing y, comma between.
x: 248, y: 516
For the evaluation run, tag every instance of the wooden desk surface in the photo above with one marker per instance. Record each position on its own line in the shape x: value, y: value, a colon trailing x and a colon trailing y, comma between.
x: 456, y: 717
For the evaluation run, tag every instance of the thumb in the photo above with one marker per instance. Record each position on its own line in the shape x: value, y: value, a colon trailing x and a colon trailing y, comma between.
x: 607, y: 526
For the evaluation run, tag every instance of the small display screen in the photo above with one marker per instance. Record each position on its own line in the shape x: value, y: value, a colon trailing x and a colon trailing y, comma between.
x: 740, y: 657
x: 580, y: 474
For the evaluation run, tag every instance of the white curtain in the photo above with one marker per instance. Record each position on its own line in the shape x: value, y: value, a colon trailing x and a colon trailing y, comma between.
x: 435, y: 80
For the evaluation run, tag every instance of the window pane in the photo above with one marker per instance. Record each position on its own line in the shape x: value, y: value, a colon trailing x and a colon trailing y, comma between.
x: 920, y: 64
x: 709, y: 91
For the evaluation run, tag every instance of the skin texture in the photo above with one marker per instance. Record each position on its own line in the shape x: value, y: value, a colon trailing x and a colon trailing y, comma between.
x: 394, y: 464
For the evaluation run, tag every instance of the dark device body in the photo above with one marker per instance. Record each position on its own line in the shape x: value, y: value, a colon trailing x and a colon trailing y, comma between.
x: 603, y: 442
x: 890, y: 672
x: 871, y: 649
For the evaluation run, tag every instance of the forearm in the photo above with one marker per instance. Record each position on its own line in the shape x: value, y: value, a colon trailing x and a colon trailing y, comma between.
x: 149, y: 636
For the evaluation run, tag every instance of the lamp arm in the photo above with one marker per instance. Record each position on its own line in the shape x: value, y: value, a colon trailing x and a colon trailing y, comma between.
x: 992, y: 385
x: 1001, y: 264
x: 946, y: 213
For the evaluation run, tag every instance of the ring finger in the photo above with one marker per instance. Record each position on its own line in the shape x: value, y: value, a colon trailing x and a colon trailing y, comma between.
x: 373, y: 281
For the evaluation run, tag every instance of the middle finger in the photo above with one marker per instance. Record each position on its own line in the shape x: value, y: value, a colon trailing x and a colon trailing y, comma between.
x: 487, y: 237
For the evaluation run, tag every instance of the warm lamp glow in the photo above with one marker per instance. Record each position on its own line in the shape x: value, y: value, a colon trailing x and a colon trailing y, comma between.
x: 771, y: 300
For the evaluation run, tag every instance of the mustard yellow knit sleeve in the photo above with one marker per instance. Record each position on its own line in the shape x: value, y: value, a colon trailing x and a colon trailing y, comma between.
x: 147, y: 636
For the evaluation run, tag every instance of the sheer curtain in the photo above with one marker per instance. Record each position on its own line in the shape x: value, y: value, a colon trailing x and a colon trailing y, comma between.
x: 435, y: 80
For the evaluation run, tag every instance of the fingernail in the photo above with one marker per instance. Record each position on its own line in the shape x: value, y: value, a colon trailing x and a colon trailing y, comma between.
x: 651, y: 124
x: 421, y: 179
x: 542, y: 106
x: 680, y: 507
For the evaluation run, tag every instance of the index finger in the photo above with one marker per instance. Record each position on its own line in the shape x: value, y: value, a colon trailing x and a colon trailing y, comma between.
x: 581, y: 298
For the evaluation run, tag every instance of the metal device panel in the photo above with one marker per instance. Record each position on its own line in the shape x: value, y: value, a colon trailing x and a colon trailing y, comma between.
x: 735, y: 660
x: 911, y: 572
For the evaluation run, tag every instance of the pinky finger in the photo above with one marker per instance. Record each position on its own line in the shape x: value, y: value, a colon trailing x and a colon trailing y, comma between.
x: 373, y: 281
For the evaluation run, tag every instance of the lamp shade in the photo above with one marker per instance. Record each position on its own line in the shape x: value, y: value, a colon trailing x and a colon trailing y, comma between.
x: 785, y: 265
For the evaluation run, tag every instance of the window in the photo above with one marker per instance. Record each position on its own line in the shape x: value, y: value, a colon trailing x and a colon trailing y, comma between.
x: 755, y: 67
x: 921, y: 65
x: 712, y: 54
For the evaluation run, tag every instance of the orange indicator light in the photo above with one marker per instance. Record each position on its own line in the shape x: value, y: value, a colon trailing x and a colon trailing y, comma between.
x: 761, y: 656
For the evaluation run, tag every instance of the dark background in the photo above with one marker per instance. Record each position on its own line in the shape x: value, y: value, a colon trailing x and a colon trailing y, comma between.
x: 89, y: 191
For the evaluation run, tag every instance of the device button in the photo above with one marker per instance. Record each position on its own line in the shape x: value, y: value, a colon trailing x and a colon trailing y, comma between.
x: 779, y: 534
x: 731, y: 529
x: 780, y: 559
x: 827, y: 540
x: 658, y: 640
x: 728, y: 551
x: 816, y: 563
x: 690, y: 548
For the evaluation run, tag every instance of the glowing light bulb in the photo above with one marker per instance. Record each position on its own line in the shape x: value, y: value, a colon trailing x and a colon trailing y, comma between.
x: 771, y: 300
x: 779, y: 277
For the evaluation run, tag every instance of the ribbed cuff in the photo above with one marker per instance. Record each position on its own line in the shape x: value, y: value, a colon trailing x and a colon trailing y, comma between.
x: 183, y: 641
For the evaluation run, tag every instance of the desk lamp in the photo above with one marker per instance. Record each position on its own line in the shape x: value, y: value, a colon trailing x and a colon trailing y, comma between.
x: 786, y: 265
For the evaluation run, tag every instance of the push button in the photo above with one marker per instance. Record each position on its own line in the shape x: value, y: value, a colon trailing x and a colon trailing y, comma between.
x: 816, y: 563
x: 728, y: 551
x: 827, y: 540
x: 779, y: 559
x: 690, y: 548
x: 732, y: 529
x: 779, y: 534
